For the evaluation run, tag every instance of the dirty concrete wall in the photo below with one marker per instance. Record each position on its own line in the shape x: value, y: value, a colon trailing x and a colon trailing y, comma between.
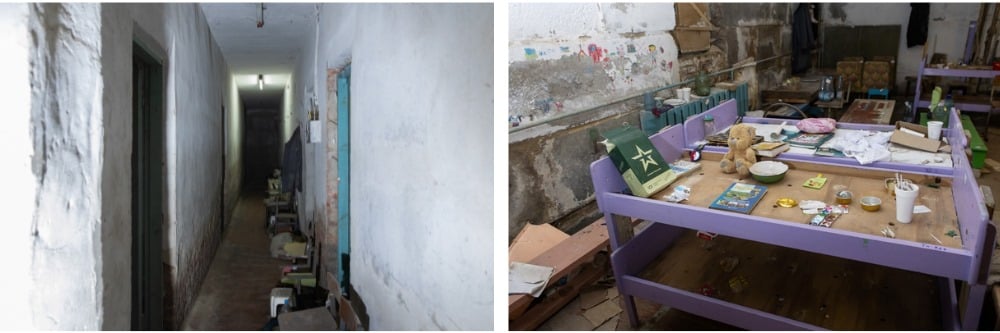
x: 15, y: 132
x: 67, y: 129
x: 421, y: 167
x: 234, y: 124
x: 309, y: 84
x: 549, y: 177
x: 947, y: 29
x: 567, y: 58
x: 198, y: 86
x: 197, y: 77
x: 756, y: 32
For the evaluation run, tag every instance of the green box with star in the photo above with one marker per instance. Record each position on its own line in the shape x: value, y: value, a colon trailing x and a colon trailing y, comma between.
x: 639, y: 163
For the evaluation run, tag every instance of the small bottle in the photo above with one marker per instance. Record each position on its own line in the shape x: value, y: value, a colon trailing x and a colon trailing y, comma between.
x: 948, y: 103
x: 709, y: 125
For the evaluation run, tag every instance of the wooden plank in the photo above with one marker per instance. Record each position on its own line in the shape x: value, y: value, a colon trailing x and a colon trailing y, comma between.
x: 564, y: 257
x: 993, y: 164
x: 988, y: 199
x: 996, y: 302
x: 534, y: 240
x: 869, y: 111
x: 543, y: 310
x: 710, y: 182
x: 822, y: 290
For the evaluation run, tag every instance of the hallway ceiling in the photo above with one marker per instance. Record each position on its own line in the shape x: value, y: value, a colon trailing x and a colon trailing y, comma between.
x: 271, y: 50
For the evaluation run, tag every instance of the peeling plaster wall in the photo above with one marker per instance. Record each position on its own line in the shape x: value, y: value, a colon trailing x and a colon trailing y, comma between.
x: 566, y: 58
x: 67, y: 131
x: 549, y: 175
x: 756, y: 32
x: 421, y: 162
x: 947, y: 28
x: 19, y: 287
x: 76, y: 270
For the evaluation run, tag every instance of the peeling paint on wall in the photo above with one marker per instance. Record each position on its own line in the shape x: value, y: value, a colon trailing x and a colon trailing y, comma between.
x: 549, y: 163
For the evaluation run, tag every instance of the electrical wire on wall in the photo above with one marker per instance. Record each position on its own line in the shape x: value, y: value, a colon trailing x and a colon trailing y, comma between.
x: 260, y: 15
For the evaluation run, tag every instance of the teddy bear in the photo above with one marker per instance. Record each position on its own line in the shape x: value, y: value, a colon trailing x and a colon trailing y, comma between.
x: 740, y: 156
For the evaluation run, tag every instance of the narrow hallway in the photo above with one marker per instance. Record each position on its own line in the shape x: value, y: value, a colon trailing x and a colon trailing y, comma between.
x: 235, y: 295
x: 142, y: 137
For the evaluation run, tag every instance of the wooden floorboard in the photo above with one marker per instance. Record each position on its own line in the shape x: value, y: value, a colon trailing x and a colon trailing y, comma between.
x: 830, y: 292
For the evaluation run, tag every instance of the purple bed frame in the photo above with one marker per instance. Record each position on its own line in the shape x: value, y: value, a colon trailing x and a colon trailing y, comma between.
x: 628, y: 259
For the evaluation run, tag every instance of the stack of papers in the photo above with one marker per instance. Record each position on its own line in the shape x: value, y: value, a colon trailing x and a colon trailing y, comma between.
x: 528, y: 279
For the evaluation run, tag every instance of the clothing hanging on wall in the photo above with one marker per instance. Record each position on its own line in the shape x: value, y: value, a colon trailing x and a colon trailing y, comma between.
x: 916, y: 29
x: 803, y: 38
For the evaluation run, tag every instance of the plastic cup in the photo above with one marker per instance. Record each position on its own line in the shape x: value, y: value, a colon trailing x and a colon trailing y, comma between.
x: 934, y: 129
x: 905, y: 199
x: 684, y: 94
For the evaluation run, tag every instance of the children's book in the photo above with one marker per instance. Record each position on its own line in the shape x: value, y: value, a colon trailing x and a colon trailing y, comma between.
x: 740, y: 198
x: 809, y: 140
x: 770, y: 149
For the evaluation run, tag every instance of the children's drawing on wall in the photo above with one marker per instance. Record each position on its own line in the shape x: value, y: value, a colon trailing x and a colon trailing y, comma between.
x: 530, y: 54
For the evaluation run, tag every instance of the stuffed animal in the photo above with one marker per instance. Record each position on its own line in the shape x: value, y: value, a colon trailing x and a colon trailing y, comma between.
x: 740, y: 156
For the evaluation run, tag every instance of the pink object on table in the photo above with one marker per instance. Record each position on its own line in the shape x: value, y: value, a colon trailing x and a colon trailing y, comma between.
x: 817, y: 125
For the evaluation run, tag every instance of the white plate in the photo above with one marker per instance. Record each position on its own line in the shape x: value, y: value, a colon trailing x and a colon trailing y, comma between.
x: 674, y: 101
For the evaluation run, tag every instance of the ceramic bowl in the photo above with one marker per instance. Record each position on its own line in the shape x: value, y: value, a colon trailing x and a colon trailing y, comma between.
x: 871, y: 204
x: 768, y: 172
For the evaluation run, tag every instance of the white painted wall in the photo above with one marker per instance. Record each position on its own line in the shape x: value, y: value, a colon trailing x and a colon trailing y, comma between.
x: 421, y: 182
x: 310, y: 84
x: 198, y: 77
x: 550, y: 32
x: 947, y: 29
x: 67, y: 128
x: 197, y: 85
x: 18, y: 203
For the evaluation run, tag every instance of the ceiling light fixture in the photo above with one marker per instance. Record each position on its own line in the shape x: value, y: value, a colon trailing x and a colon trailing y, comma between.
x: 260, y: 81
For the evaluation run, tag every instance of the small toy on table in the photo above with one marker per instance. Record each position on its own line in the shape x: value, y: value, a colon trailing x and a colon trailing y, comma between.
x: 740, y: 156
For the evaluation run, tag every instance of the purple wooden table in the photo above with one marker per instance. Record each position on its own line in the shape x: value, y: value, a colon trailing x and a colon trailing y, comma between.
x: 630, y: 256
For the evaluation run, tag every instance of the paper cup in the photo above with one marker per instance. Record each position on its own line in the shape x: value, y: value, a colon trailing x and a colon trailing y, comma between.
x: 684, y: 94
x: 934, y: 129
x: 905, y: 200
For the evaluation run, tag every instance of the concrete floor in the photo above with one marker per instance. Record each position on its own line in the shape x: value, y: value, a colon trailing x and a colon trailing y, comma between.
x: 236, y: 291
x: 579, y: 313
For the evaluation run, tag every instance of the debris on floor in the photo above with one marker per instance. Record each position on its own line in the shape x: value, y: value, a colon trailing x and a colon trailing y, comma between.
x: 593, y: 298
x: 602, y: 312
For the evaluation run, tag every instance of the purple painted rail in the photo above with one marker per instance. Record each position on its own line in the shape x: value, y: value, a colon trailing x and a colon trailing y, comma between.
x: 966, y: 264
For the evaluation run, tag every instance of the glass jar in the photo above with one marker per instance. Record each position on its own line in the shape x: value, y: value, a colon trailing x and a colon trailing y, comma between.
x: 709, y: 125
x: 702, y: 84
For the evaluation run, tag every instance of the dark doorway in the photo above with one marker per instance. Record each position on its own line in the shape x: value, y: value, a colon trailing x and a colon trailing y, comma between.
x: 262, y: 144
x: 147, y: 191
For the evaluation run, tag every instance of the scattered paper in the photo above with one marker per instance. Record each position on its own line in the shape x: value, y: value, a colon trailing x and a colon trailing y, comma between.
x: 921, y: 209
x: 528, y: 279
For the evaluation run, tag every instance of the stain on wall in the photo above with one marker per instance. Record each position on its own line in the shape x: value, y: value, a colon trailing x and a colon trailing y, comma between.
x: 549, y: 177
